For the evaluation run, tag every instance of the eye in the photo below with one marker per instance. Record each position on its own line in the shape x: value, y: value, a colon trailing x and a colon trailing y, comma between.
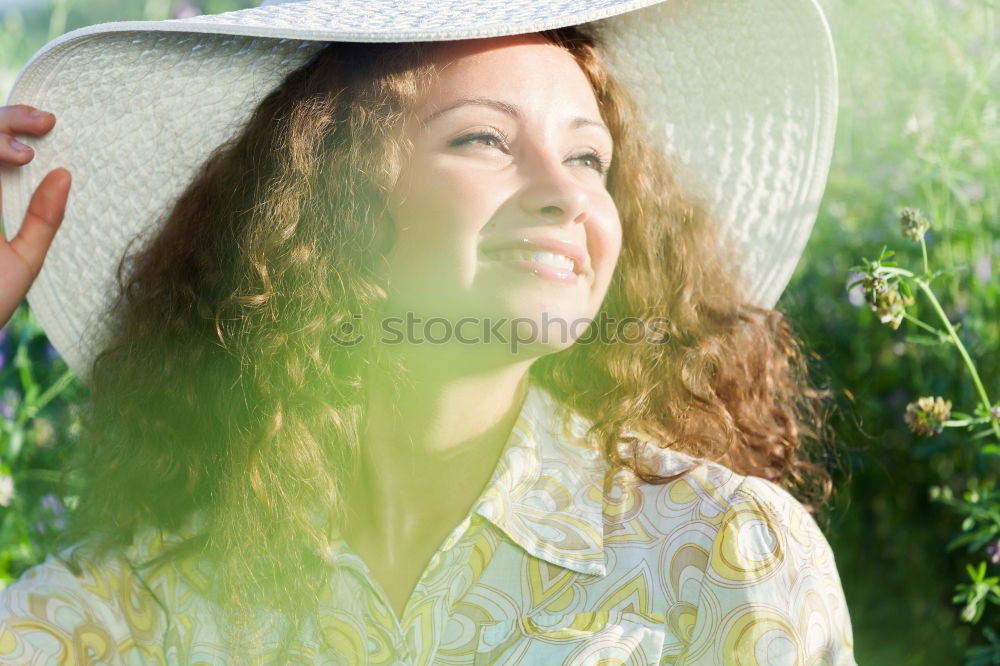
x: 591, y: 160
x: 492, y: 138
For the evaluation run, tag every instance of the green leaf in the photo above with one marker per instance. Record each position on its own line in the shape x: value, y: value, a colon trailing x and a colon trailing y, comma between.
x: 981, y: 540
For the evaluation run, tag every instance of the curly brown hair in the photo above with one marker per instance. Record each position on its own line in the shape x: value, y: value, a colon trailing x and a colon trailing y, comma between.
x: 221, y: 391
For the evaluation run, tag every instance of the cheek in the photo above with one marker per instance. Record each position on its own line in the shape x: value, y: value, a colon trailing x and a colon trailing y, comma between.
x: 438, y: 220
x: 606, y: 242
x: 440, y: 199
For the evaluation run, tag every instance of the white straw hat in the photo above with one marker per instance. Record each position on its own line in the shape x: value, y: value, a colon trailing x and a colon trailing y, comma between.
x: 744, y: 92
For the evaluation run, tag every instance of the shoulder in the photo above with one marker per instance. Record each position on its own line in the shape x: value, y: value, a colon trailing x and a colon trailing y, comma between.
x: 772, y: 581
x: 745, y: 527
x: 60, y: 613
x: 52, y: 614
x: 767, y: 578
x: 711, y: 493
x: 765, y: 532
x: 749, y: 527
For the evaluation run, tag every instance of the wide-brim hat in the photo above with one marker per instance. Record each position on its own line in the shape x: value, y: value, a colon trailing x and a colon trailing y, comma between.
x: 743, y: 94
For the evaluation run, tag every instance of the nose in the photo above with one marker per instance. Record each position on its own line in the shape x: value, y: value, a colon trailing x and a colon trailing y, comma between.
x: 551, y: 194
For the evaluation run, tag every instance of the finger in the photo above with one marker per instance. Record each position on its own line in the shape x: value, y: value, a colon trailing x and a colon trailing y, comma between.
x: 13, y: 151
x: 45, y: 214
x: 24, y: 119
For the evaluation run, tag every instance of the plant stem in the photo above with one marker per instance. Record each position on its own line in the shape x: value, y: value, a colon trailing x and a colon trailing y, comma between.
x: 961, y: 423
x: 893, y: 270
x: 923, y: 249
x: 54, y: 390
x: 961, y: 350
x: 916, y: 322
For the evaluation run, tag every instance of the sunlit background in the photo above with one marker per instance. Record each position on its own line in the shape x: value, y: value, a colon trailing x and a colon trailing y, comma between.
x: 920, y: 88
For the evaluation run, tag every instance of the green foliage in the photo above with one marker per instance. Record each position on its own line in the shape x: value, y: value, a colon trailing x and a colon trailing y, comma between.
x: 974, y: 596
x: 918, y: 127
x: 38, y: 406
x: 929, y: 416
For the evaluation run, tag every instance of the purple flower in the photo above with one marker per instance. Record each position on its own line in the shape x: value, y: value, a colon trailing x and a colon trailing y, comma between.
x: 51, y: 354
x: 983, y: 271
x: 8, y: 404
x: 51, y: 502
x: 52, y: 505
x: 993, y: 552
x: 186, y: 10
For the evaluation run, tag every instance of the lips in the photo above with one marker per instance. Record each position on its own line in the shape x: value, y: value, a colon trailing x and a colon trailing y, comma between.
x: 573, y: 252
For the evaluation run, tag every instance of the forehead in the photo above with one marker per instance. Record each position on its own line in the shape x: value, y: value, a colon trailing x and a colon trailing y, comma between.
x: 526, y: 66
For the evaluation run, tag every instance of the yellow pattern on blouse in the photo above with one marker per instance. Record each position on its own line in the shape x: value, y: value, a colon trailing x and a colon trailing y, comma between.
x: 549, y: 566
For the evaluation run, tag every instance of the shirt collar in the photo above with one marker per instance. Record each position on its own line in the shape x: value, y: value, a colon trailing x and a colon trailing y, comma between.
x: 546, y: 493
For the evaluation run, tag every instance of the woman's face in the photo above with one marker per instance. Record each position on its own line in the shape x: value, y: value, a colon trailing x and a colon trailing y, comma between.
x: 502, y: 210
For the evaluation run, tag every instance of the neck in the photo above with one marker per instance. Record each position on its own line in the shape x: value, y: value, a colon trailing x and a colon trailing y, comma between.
x: 430, y: 440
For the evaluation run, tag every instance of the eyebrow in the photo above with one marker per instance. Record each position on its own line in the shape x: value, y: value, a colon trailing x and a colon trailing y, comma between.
x: 509, y: 109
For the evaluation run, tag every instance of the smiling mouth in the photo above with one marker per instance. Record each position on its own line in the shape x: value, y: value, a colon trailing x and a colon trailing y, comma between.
x: 547, y: 266
x: 559, y: 261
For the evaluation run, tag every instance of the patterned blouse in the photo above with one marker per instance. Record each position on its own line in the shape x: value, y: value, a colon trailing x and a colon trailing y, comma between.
x: 549, y: 566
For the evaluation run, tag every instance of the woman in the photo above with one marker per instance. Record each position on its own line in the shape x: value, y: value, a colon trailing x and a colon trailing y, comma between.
x: 285, y: 462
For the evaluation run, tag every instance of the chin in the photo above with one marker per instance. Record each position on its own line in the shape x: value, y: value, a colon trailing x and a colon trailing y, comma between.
x: 548, y: 333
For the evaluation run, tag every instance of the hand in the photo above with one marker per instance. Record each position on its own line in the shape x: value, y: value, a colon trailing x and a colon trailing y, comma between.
x: 21, y: 258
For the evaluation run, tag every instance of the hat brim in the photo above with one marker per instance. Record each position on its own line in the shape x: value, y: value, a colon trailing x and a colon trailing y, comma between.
x: 743, y: 93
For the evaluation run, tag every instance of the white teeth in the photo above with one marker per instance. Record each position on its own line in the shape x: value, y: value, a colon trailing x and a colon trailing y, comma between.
x: 557, y: 260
